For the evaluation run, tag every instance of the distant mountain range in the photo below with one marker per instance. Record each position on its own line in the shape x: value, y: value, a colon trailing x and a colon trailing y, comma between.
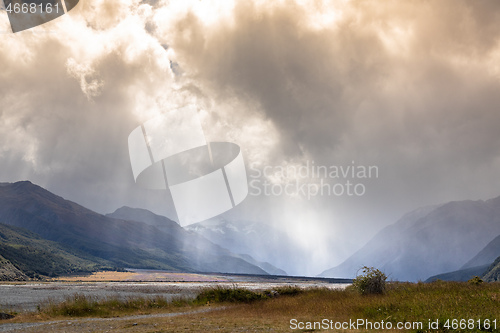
x: 463, y: 274
x: 42, y: 234
x: 486, y: 256
x: 480, y: 265
x: 50, y: 229
x: 457, y: 237
x: 191, y: 238
x: 259, y: 240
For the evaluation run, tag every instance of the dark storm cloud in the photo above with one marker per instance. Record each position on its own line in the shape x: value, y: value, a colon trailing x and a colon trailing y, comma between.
x: 298, y: 75
x: 411, y: 86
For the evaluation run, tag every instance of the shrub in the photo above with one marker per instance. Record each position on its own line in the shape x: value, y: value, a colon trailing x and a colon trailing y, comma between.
x: 372, y: 281
x: 240, y: 295
x: 287, y: 291
x: 476, y: 280
x: 234, y: 295
x: 281, y: 291
x: 80, y: 305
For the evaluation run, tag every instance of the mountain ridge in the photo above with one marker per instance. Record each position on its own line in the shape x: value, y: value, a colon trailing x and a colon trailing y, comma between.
x: 428, y: 241
x: 123, y: 243
x: 264, y: 243
x: 486, y: 256
x: 196, y: 240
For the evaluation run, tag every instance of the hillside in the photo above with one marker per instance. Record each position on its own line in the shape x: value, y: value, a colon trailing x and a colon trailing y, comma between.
x: 464, y: 274
x: 122, y: 243
x: 9, y: 272
x: 428, y: 241
x: 35, y: 257
x: 492, y: 274
x: 487, y: 255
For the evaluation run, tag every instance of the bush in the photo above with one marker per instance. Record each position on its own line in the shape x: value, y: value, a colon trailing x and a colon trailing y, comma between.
x: 234, y: 295
x: 281, y: 291
x: 287, y: 291
x: 80, y: 305
x: 372, y: 281
x: 240, y: 295
x: 476, y: 280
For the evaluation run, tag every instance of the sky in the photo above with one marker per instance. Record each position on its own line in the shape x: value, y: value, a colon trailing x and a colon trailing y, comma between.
x: 410, y: 89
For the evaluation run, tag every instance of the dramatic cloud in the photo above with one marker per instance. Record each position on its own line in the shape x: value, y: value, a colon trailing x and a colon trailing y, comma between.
x: 409, y: 87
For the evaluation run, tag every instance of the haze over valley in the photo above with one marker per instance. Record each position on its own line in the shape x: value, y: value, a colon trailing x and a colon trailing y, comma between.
x: 44, y: 235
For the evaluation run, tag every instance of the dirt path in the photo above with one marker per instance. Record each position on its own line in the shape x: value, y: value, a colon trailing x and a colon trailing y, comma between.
x: 90, y: 324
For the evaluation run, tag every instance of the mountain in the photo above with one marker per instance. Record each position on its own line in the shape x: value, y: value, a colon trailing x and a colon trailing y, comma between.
x: 428, y: 241
x: 145, y: 216
x: 266, y: 244
x: 271, y: 269
x: 122, y: 243
x: 487, y: 255
x: 492, y: 274
x: 464, y: 274
x: 193, y: 239
x: 479, y: 265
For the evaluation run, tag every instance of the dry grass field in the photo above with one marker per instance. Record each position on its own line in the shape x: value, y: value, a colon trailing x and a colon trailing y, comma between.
x: 466, y: 307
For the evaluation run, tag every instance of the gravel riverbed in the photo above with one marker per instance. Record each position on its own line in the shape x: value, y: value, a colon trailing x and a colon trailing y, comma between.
x: 21, y: 297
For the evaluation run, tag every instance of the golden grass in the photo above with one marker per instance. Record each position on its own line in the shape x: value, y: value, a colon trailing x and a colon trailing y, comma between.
x: 403, y: 302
